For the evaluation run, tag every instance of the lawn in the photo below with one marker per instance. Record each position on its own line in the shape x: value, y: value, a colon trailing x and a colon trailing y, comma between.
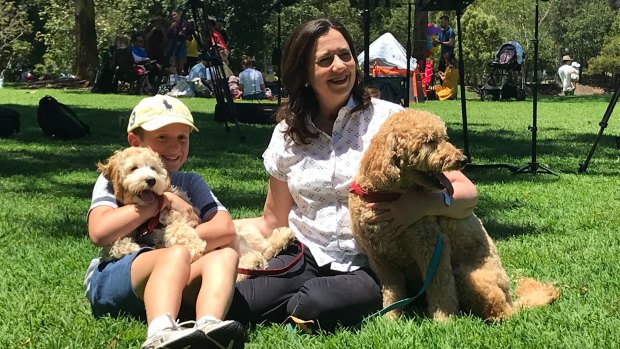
x: 562, y: 229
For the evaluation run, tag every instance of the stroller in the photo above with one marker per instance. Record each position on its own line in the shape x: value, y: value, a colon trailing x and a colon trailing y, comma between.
x: 506, y: 78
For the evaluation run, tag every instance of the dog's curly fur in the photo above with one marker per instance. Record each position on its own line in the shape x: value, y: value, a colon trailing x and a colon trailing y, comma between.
x: 411, y: 150
x: 138, y: 173
x: 135, y: 172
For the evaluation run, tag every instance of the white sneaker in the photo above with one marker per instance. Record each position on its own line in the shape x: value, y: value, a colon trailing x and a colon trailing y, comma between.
x: 222, y: 334
x: 175, y: 337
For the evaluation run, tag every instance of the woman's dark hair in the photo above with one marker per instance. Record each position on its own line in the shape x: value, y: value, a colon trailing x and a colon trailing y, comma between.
x: 296, y: 60
x: 450, y: 58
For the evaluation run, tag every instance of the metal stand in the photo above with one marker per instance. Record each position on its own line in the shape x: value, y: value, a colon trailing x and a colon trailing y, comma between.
x: 408, y: 75
x: 211, y: 53
x: 533, y: 166
x: 366, y: 16
x: 459, y: 6
x: 603, y: 124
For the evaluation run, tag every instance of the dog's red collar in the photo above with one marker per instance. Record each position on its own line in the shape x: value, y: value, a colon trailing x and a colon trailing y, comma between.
x: 152, y: 223
x: 376, y: 196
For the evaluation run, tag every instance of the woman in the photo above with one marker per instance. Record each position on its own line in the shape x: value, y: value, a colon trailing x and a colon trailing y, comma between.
x: 449, y: 78
x: 178, y: 32
x: 251, y: 81
x: 312, y: 157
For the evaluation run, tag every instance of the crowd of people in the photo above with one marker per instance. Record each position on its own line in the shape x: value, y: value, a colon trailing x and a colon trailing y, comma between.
x: 172, y: 59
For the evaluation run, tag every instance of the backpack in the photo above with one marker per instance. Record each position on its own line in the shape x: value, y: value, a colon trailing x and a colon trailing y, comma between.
x: 59, y: 121
x: 9, y: 122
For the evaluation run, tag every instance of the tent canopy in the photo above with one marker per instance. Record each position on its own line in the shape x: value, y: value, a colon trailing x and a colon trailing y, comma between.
x: 389, y: 53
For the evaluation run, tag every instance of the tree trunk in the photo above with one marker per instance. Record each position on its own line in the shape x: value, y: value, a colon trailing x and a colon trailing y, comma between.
x: 420, y: 22
x: 85, y: 40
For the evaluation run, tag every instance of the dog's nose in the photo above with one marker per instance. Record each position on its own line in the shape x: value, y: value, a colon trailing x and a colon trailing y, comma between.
x: 463, y: 160
x: 150, y: 181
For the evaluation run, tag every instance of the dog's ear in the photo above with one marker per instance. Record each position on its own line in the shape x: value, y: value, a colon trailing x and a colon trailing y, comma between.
x: 112, y: 172
x: 380, y: 165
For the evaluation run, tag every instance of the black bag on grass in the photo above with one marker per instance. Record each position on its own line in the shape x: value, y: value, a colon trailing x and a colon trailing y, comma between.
x: 59, y: 121
x: 9, y: 122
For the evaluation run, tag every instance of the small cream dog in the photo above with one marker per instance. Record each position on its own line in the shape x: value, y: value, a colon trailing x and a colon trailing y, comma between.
x: 411, y: 150
x: 138, y: 176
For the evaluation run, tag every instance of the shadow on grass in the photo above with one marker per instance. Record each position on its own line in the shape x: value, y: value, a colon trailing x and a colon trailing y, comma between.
x: 31, y: 153
x: 510, y: 147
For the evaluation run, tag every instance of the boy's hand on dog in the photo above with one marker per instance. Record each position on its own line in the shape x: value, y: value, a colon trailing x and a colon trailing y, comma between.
x: 404, y: 211
x: 174, y: 202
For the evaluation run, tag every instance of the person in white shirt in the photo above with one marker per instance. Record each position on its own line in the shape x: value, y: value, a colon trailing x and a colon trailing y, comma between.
x: 565, y: 72
x: 251, y: 81
x: 574, y: 76
x: 312, y: 158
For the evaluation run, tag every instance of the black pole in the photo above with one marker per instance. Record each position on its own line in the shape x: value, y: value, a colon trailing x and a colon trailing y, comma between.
x: 408, y: 76
x: 462, y: 83
x: 533, y: 166
x: 279, y: 48
x: 367, y: 43
x: 603, y: 124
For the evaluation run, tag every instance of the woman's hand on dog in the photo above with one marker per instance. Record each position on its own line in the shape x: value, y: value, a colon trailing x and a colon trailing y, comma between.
x: 404, y: 211
x: 174, y: 202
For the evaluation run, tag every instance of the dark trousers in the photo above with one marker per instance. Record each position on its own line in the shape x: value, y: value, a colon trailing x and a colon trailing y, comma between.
x: 308, y: 292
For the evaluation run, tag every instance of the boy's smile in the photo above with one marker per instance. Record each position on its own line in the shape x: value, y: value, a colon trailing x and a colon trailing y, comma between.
x: 171, y: 142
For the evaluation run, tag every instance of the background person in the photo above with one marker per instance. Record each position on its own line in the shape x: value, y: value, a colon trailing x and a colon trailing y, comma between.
x: 312, y: 157
x: 449, y: 80
x: 564, y: 72
x: 200, y: 77
x: 178, y: 33
x: 445, y: 40
x: 251, y: 81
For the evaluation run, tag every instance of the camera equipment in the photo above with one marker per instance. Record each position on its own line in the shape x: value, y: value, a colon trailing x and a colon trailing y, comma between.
x: 610, y: 108
x: 225, y: 105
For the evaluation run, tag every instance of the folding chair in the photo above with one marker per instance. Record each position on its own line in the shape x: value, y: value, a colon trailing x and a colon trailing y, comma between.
x: 128, y: 77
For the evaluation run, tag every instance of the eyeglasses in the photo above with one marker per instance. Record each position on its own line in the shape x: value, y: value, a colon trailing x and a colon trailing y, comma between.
x: 326, y: 61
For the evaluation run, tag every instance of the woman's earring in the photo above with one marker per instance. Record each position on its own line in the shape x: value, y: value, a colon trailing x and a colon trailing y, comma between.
x: 306, y: 85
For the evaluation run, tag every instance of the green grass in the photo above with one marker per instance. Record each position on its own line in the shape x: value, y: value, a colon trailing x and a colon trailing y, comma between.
x: 561, y: 229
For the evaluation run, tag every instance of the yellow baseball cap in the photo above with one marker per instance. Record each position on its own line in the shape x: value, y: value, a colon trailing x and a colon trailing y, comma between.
x: 158, y: 111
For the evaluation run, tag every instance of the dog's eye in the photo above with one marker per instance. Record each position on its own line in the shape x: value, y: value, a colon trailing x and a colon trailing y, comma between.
x: 134, y: 168
x: 152, y: 168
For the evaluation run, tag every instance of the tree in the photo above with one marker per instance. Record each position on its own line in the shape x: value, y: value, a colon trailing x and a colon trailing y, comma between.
x: 579, y: 27
x: 420, y: 32
x: 608, y: 60
x: 482, y: 38
x: 86, y: 39
x: 14, y: 26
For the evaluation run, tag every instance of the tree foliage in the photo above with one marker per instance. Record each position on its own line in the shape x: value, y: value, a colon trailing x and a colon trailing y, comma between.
x: 608, y: 61
x: 580, y: 27
x: 14, y: 29
x: 481, y: 32
x: 575, y: 27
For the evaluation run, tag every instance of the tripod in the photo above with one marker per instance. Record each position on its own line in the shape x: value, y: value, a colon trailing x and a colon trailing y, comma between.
x: 610, y: 108
x: 211, y: 53
x: 533, y: 166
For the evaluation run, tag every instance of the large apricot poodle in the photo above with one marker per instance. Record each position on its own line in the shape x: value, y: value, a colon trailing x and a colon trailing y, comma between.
x: 411, y: 150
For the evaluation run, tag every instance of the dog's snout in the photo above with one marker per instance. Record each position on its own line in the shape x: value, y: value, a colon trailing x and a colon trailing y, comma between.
x: 150, y: 181
x: 463, y: 160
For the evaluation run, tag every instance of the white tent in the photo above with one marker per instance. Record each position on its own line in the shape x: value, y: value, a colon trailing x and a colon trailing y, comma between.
x: 388, y: 52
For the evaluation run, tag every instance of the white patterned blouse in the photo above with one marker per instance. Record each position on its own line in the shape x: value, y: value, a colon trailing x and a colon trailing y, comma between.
x: 319, y: 174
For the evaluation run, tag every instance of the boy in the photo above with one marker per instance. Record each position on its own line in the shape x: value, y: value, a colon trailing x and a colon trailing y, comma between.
x: 158, y: 284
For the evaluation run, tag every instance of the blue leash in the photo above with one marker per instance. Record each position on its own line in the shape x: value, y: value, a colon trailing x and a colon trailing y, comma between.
x: 430, y: 273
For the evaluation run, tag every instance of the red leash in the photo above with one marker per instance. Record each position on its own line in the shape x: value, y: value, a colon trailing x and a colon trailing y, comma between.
x: 152, y: 223
x: 261, y: 272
